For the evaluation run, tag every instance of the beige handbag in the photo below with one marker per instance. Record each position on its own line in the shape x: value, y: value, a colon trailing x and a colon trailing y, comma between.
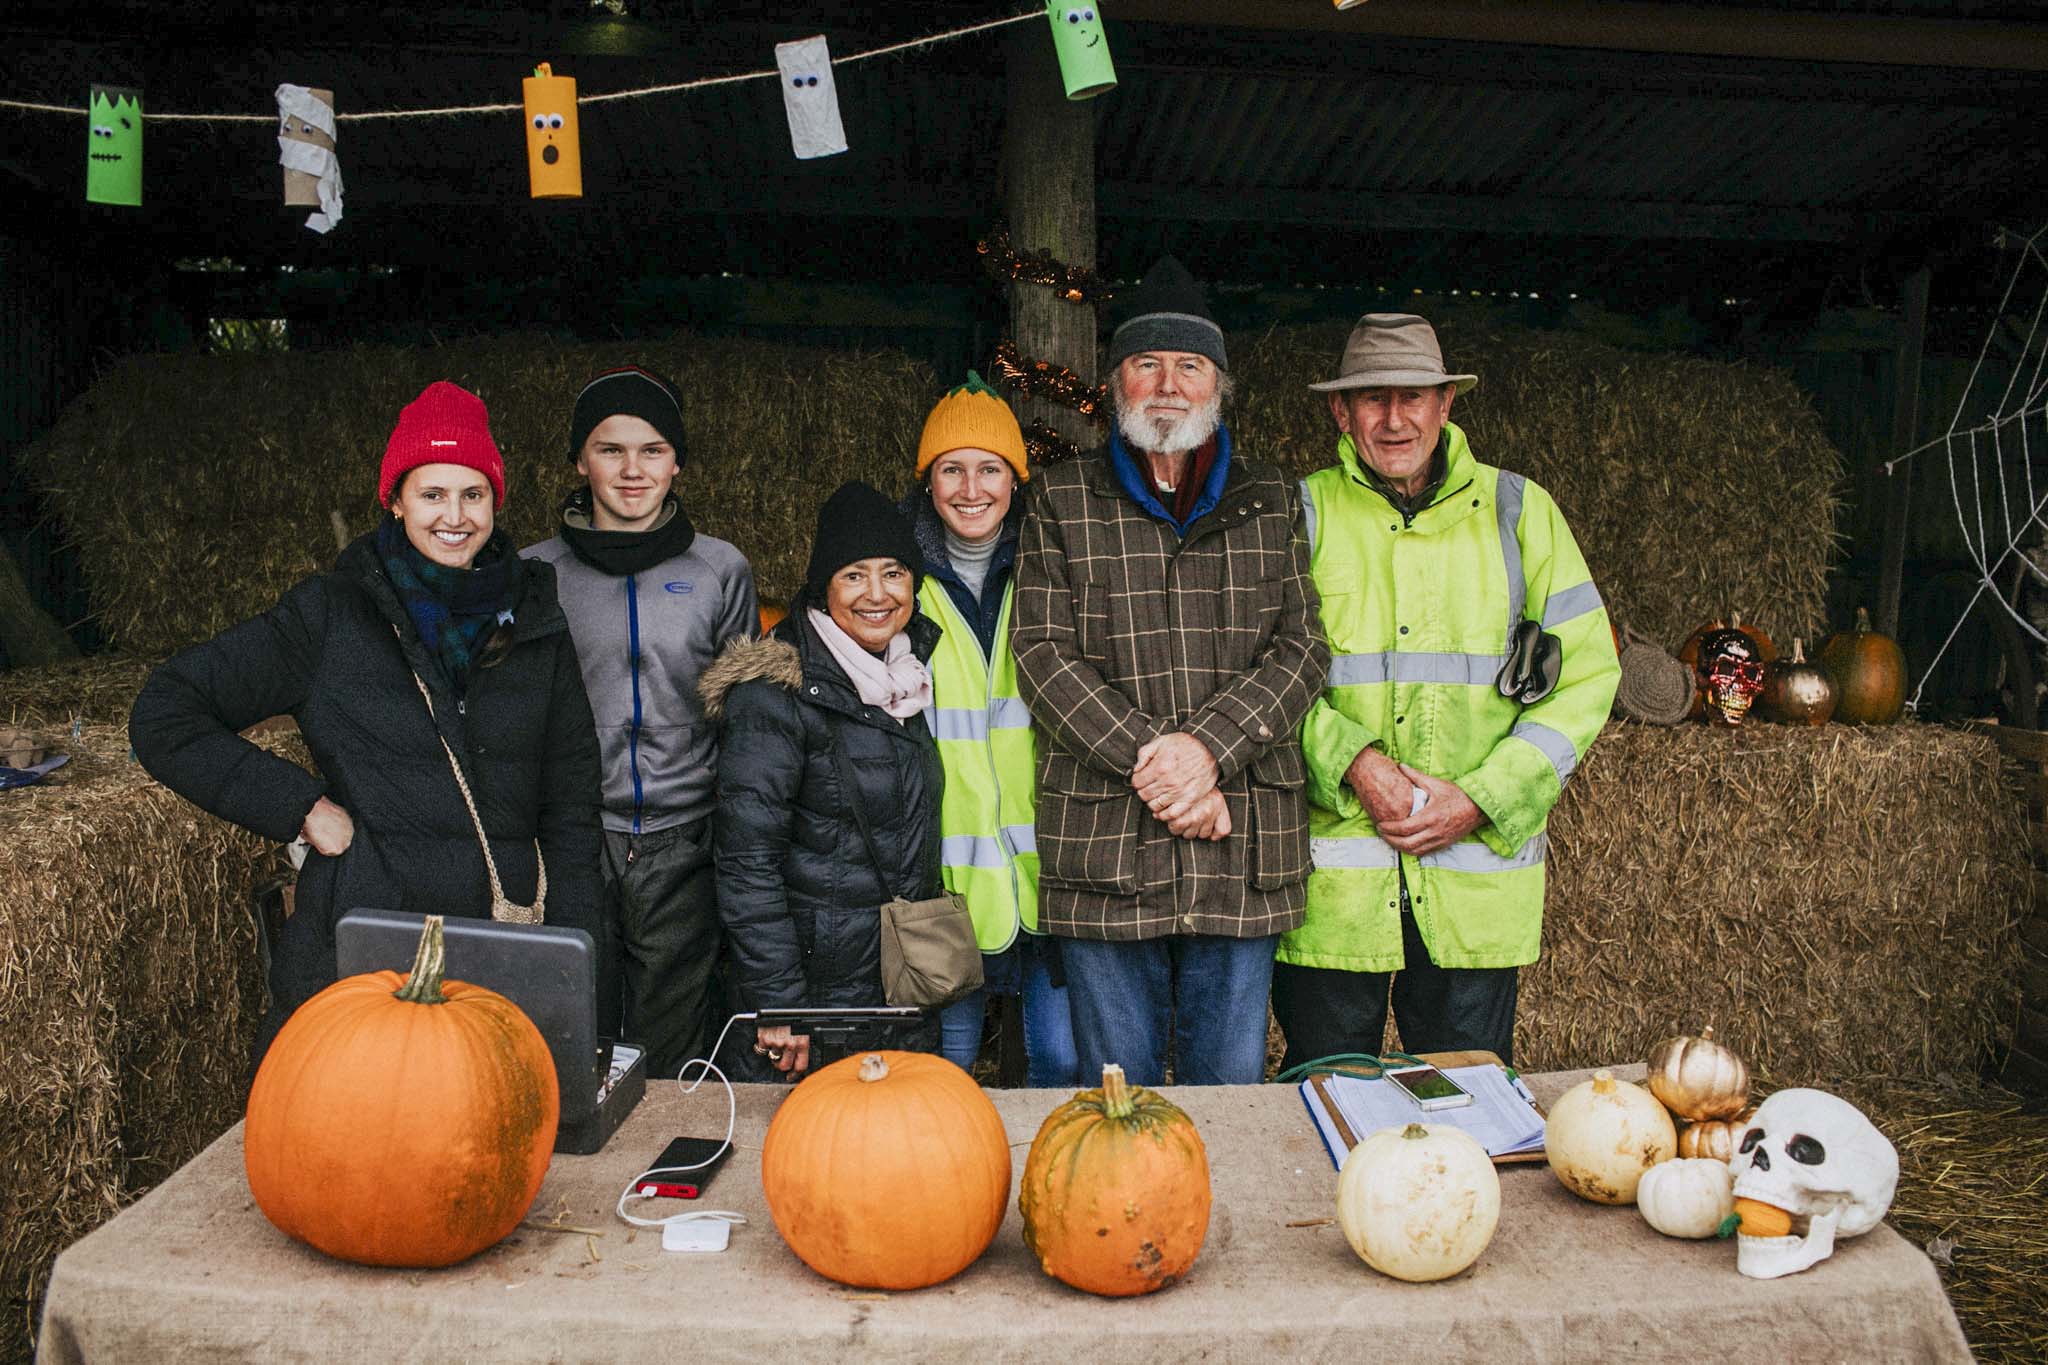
x: 501, y: 908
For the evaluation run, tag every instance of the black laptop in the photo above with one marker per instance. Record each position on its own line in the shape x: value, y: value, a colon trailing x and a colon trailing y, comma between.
x: 550, y: 973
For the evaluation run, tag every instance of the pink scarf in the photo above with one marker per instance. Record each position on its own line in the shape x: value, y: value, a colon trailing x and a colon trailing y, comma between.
x: 897, y: 682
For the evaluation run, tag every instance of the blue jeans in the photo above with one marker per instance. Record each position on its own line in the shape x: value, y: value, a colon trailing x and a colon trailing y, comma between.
x: 1049, y: 1062
x: 1204, y: 993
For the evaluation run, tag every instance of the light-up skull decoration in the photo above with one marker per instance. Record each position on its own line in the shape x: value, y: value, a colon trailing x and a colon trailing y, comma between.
x: 1731, y: 668
x: 1815, y: 1156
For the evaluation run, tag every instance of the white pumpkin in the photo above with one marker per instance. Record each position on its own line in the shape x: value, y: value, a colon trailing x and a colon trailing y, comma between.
x: 1688, y: 1197
x: 1418, y: 1203
x: 1603, y: 1134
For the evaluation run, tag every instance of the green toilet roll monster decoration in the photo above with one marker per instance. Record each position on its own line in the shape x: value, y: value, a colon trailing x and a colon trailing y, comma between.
x: 1083, y: 49
x: 113, y: 153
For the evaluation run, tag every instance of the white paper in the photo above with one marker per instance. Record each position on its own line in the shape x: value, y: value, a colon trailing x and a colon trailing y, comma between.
x: 810, y: 98
x: 299, y: 102
x: 1500, y: 1118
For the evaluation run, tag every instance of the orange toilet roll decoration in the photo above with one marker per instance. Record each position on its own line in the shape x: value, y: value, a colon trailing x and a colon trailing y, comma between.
x: 554, y: 157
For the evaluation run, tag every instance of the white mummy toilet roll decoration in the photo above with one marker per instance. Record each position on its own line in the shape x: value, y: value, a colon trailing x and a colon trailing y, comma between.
x: 305, y: 148
x: 810, y: 98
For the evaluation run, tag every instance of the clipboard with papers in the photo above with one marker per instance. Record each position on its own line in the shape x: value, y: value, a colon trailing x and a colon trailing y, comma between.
x: 1503, y: 1116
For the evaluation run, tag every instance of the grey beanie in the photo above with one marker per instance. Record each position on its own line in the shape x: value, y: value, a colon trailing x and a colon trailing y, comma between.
x: 1167, y: 312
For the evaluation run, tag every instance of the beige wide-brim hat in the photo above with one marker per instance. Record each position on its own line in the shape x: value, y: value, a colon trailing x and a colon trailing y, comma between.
x: 1393, y: 350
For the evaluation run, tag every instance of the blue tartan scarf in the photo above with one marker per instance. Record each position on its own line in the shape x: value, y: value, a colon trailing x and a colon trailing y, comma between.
x: 454, y: 610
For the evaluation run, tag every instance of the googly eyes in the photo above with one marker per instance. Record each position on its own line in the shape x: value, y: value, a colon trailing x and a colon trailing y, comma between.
x: 1088, y: 16
x: 1073, y: 16
x: 800, y: 82
x: 540, y: 120
x: 101, y: 130
x: 547, y: 122
x: 554, y: 120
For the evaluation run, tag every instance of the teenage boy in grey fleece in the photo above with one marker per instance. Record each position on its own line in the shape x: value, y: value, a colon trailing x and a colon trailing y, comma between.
x: 650, y: 603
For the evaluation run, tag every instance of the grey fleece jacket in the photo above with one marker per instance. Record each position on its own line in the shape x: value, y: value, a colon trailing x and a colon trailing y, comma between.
x: 641, y: 640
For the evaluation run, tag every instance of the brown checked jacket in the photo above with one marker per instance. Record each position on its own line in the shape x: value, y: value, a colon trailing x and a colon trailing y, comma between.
x: 1124, y: 631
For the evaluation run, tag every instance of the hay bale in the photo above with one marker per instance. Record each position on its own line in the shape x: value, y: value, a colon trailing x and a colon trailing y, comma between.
x: 237, y: 464
x: 94, y: 691
x: 1834, y: 901
x: 129, y: 993
x: 1694, y: 486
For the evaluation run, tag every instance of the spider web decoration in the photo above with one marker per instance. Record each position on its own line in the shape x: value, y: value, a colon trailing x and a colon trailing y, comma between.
x: 1977, y: 454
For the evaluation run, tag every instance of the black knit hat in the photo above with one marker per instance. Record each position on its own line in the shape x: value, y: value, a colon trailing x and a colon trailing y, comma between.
x: 1167, y: 312
x: 629, y: 391
x: 858, y: 523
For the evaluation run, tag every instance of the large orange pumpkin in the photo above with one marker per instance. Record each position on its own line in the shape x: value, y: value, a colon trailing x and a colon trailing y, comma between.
x: 1115, y: 1195
x: 402, y: 1121
x: 1869, y: 674
x: 888, y: 1170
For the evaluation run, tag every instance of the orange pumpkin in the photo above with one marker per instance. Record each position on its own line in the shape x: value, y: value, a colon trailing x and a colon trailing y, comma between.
x: 887, y: 1171
x: 772, y: 613
x: 1115, y: 1194
x: 1869, y: 674
x: 402, y: 1121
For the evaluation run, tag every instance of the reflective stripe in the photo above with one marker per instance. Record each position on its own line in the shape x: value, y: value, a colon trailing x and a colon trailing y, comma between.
x: 1365, y: 852
x: 1507, y: 510
x: 1556, y: 747
x: 1009, y: 713
x: 1571, y: 604
x: 1360, y: 670
x: 1373, y: 854
x: 957, y: 722
x: 973, y: 723
x: 1308, y: 511
x: 1023, y: 838
x: 973, y: 850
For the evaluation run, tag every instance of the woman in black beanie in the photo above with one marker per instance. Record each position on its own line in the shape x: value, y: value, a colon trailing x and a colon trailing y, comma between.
x: 822, y: 730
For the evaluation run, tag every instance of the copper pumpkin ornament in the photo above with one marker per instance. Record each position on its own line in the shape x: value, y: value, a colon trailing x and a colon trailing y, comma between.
x: 1797, y: 692
x: 1698, y: 1078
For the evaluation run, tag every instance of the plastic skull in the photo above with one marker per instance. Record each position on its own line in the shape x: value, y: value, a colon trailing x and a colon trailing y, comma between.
x: 1732, y: 668
x: 1815, y: 1156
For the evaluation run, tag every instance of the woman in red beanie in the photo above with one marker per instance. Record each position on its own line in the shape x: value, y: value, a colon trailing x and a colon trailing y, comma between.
x: 433, y: 602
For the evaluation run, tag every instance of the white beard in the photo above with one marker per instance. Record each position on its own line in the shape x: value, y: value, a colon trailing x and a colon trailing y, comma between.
x: 1170, y: 437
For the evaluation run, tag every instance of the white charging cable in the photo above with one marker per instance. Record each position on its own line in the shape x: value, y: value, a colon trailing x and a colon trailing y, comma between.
x: 633, y: 1192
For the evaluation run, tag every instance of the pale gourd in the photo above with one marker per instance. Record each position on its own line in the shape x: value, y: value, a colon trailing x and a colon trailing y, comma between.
x: 1698, y: 1078
x: 1418, y: 1203
x: 1687, y: 1197
x: 1603, y: 1134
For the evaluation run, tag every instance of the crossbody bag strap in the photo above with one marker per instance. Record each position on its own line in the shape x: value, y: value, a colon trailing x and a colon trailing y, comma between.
x: 502, y: 908
x: 860, y: 819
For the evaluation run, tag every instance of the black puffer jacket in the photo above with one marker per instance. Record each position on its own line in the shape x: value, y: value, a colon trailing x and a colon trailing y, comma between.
x: 796, y: 888
x: 327, y: 656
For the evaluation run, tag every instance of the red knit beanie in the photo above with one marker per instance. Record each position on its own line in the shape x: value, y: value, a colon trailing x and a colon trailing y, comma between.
x: 446, y: 424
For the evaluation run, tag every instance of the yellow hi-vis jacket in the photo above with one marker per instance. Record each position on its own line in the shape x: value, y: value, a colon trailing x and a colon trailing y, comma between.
x: 987, y: 848
x: 1418, y: 615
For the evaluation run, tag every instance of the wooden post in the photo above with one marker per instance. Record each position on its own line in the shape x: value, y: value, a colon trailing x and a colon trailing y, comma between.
x: 1049, y: 198
x: 1905, y: 426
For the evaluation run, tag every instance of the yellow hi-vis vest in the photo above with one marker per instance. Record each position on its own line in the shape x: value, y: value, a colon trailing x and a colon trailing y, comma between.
x: 988, y: 849
x: 1418, y: 614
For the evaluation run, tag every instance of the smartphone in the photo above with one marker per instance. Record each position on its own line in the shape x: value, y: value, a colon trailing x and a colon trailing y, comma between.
x: 1429, y: 1087
x: 684, y: 1168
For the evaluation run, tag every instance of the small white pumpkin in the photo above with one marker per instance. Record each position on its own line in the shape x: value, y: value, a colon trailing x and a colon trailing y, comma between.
x: 1418, y: 1203
x: 1688, y: 1197
x: 1603, y: 1134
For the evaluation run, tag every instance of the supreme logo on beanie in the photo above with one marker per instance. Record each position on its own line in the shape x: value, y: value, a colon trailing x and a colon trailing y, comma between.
x: 629, y: 391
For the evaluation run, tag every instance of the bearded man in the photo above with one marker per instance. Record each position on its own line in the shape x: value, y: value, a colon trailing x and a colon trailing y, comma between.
x: 1168, y: 645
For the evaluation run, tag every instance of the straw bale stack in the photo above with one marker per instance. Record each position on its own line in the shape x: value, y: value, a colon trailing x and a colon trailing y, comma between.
x: 94, y: 691
x: 1695, y: 487
x: 1832, y: 900
x: 129, y: 992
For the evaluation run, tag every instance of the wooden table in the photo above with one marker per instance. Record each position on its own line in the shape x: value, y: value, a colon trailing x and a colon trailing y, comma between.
x: 194, y: 1272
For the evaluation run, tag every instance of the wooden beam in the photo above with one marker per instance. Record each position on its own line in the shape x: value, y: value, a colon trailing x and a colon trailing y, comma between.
x: 1049, y: 198
x: 1905, y: 426
x: 1636, y: 26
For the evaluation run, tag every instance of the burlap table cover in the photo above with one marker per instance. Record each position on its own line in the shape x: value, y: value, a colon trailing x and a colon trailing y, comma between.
x: 193, y: 1272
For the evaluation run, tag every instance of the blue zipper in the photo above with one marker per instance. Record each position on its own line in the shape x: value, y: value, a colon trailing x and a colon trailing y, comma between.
x: 633, y: 745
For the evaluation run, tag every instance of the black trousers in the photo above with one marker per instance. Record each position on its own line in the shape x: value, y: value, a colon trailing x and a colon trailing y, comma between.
x: 1324, y: 1011
x: 666, y: 898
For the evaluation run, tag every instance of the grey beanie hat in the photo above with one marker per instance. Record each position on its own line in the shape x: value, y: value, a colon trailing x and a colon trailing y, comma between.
x: 1167, y: 312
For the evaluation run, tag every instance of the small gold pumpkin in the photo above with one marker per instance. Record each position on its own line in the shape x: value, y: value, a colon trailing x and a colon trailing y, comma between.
x: 1715, y: 1138
x: 1698, y: 1078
